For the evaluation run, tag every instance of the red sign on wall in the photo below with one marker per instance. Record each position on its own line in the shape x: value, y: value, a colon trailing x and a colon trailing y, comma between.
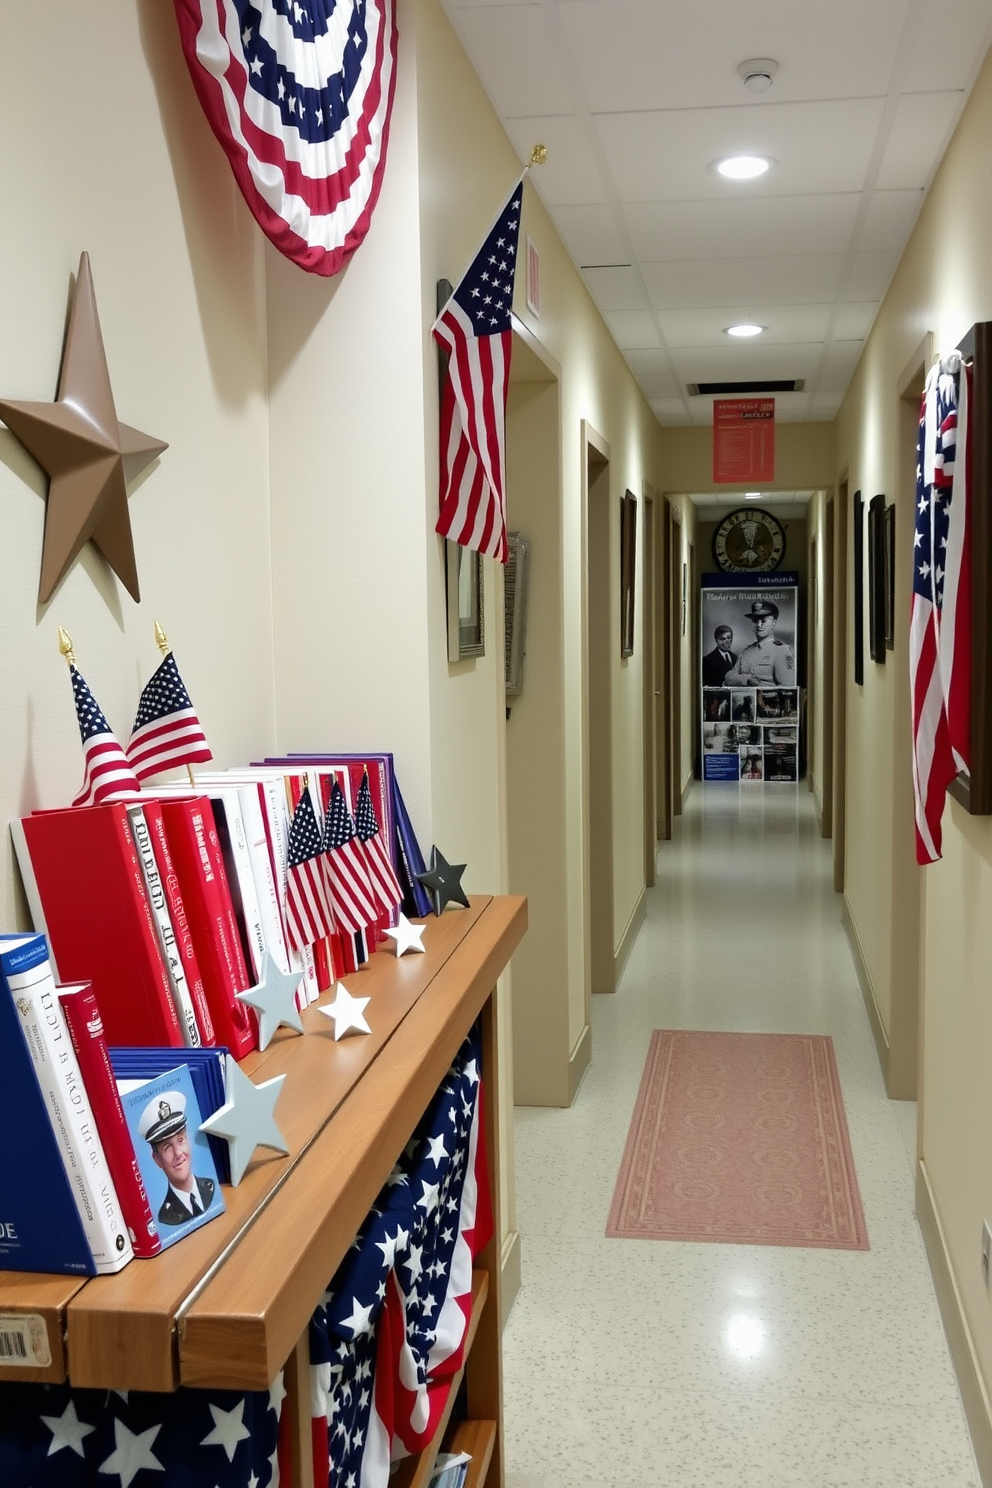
x: 743, y: 440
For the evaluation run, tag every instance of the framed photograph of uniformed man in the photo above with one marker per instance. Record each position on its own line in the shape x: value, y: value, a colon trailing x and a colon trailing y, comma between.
x: 748, y: 655
x: 174, y: 1156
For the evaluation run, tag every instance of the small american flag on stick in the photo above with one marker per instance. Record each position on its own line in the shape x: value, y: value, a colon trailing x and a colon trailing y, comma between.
x: 309, y: 916
x: 381, y: 871
x: 345, y: 870
x: 166, y: 730
x: 107, y: 775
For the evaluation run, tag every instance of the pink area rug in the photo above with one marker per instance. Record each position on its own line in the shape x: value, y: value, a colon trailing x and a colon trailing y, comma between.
x: 739, y: 1138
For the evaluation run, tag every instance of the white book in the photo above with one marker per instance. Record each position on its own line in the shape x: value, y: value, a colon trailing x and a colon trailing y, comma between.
x: 57, y: 1070
x: 171, y: 953
x: 265, y: 882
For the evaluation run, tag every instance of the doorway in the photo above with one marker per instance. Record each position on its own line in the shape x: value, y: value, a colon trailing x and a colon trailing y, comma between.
x: 600, y: 637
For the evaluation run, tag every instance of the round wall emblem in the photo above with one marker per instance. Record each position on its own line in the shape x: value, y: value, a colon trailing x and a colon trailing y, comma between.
x: 749, y: 541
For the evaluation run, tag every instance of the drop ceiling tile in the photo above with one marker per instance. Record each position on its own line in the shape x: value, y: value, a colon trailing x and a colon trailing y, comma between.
x: 824, y: 407
x: 870, y: 275
x: 785, y: 323
x: 511, y: 48
x: 854, y: 319
x: 834, y: 382
x: 702, y: 229
x: 616, y: 288
x: 653, y: 372
x: 919, y: 135
x: 844, y: 354
x: 964, y: 28
x: 570, y: 173
x: 740, y: 364
x: 640, y: 54
x: 631, y: 328
x: 890, y: 219
x: 772, y: 280
x: 667, y: 155
x: 670, y: 412
x: 591, y: 234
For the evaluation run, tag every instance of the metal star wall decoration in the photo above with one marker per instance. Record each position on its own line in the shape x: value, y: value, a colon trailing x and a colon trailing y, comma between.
x: 247, y: 1118
x: 347, y: 1013
x: 407, y: 937
x: 80, y: 443
x: 274, y: 1000
x: 444, y: 881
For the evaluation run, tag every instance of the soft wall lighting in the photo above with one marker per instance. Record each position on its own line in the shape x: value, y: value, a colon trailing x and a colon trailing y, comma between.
x: 743, y: 167
x: 745, y: 330
x: 752, y: 495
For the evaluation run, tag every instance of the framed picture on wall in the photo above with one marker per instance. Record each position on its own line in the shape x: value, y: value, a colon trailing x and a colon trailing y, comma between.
x: 628, y: 564
x: 858, y: 533
x: 890, y: 577
x: 876, y: 579
x: 466, y: 622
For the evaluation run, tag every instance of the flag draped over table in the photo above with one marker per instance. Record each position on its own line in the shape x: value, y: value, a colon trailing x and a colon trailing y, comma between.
x: 166, y: 730
x: 309, y: 916
x: 299, y: 94
x: 474, y: 329
x: 345, y: 869
x: 108, y: 775
x: 940, y: 622
x: 381, y: 871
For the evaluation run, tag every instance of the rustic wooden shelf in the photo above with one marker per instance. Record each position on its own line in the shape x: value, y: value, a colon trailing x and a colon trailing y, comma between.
x: 229, y: 1306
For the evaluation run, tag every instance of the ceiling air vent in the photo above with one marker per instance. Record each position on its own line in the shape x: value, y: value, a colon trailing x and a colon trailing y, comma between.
x: 770, y: 385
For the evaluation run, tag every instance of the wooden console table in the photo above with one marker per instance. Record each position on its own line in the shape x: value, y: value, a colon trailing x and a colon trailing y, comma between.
x: 230, y: 1305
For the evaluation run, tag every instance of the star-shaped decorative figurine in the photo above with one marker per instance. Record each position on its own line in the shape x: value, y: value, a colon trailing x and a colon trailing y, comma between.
x: 82, y: 446
x: 346, y: 1012
x: 247, y: 1118
x: 408, y: 937
x: 274, y: 1000
x: 444, y: 880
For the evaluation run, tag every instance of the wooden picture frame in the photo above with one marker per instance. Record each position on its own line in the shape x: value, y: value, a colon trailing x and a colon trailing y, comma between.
x: 858, y: 534
x: 628, y: 566
x: 890, y: 576
x: 466, y: 617
x: 876, y: 579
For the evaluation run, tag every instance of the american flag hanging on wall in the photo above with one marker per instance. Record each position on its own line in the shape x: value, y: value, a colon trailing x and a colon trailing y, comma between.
x: 299, y: 93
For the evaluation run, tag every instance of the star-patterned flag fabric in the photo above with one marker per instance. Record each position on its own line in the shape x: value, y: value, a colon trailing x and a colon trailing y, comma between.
x: 939, y: 636
x: 381, y: 871
x: 346, y: 871
x: 166, y: 730
x: 107, y: 775
x: 54, y: 1436
x: 299, y: 94
x: 309, y: 916
x: 474, y: 329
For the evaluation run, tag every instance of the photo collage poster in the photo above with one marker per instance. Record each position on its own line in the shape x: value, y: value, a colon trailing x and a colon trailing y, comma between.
x: 750, y: 691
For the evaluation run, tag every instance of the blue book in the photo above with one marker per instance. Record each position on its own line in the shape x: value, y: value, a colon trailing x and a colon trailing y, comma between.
x: 174, y: 1156
x: 40, y: 1227
x: 206, y: 1070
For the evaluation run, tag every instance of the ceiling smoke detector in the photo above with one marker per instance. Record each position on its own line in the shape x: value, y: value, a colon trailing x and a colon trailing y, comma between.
x: 757, y: 74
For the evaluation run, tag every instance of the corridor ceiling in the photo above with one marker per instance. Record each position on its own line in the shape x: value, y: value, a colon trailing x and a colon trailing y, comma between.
x: 637, y: 99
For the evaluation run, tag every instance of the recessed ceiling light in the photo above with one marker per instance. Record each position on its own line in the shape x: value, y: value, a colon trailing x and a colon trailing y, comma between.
x: 745, y: 330
x: 743, y: 167
x: 752, y: 495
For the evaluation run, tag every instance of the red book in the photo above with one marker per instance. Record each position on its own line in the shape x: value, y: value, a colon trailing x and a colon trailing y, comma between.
x: 82, y: 1016
x: 86, y: 890
x: 177, y: 913
x: 189, y: 826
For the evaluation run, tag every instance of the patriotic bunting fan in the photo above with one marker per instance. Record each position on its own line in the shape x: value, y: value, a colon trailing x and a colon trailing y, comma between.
x: 299, y: 93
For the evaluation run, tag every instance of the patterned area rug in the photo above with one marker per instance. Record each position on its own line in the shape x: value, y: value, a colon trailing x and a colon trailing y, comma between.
x: 739, y: 1138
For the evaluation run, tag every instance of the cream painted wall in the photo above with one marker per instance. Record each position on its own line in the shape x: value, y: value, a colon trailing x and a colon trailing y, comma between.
x: 177, y: 267
x: 943, y: 284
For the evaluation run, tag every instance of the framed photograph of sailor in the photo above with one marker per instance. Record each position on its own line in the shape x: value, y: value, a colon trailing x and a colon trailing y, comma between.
x: 466, y: 621
x: 890, y: 576
x: 628, y: 563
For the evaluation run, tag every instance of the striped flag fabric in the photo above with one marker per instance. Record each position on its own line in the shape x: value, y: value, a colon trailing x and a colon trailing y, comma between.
x: 166, y: 729
x: 107, y: 775
x: 299, y: 93
x: 381, y: 871
x: 953, y: 577
x: 474, y: 328
x: 309, y: 916
x: 349, y: 887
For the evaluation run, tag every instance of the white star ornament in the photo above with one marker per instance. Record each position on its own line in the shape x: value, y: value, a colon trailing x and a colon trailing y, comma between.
x: 347, y: 1013
x: 408, y: 937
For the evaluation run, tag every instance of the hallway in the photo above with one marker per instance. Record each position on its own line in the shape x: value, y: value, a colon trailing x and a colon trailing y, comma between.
x: 636, y: 1363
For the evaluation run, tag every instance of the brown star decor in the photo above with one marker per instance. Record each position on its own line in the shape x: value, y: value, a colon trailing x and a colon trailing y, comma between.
x: 81, y: 445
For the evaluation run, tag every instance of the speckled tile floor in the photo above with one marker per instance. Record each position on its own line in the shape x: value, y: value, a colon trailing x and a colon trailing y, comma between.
x: 636, y: 1363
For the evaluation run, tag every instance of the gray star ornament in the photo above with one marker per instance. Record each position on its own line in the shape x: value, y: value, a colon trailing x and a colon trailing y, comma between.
x: 407, y: 937
x: 274, y: 1000
x: 443, y: 880
x: 247, y: 1119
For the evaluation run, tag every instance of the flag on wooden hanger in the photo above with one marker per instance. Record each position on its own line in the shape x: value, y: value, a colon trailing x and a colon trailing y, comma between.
x: 474, y: 328
x: 299, y: 95
x: 166, y: 730
x: 309, y: 916
x: 107, y: 774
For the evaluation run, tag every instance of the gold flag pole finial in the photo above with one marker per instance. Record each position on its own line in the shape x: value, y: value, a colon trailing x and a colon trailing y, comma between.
x: 65, y: 647
x: 162, y: 640
x: 538, y: 155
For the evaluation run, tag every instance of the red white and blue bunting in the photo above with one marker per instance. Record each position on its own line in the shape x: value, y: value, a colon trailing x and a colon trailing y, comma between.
x: 299, y: 93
